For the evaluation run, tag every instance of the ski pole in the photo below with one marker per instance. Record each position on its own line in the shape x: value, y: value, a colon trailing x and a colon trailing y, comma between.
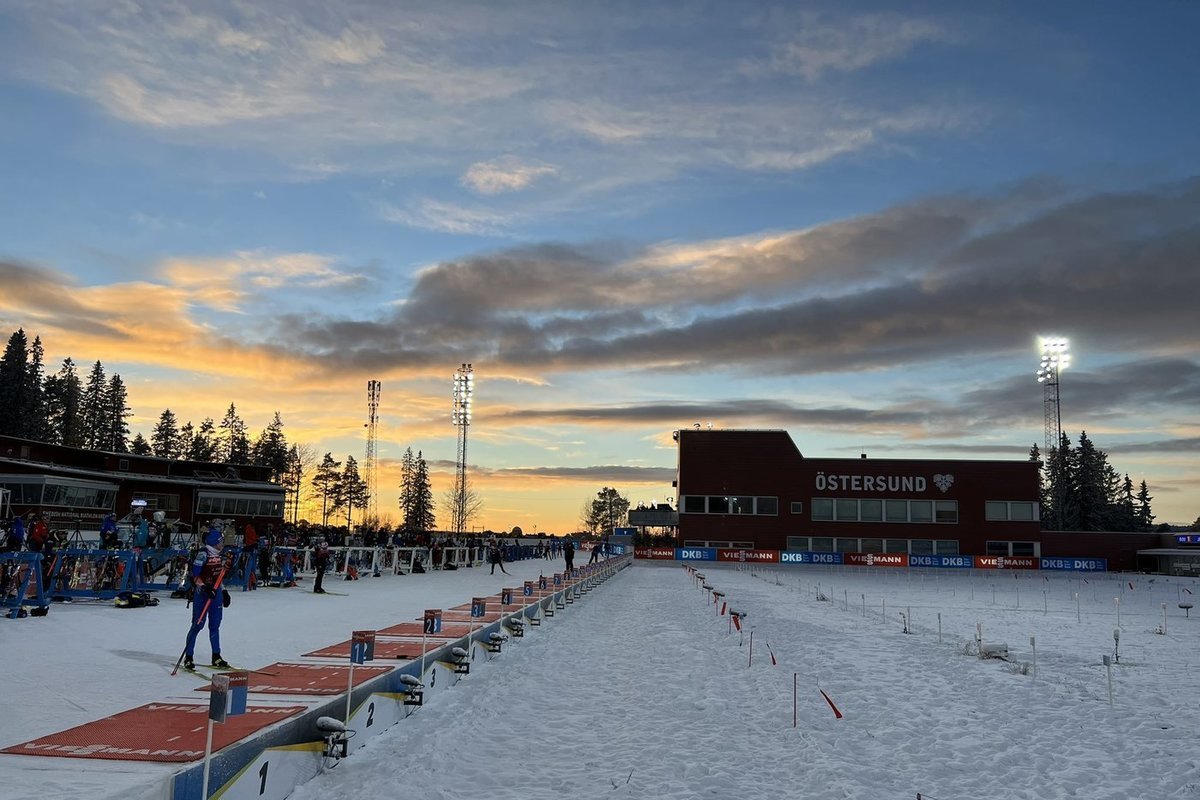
x: 204, y: 611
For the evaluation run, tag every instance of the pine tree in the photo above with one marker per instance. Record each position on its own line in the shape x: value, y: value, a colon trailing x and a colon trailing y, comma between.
x: 166, y: 439
x: 1126, y: 518
x: 233, y: 434
x: 14, y: 385
x: 607, y: 511
x: 1142, y: 515
x: 1035, y: 455
x: 64, y: 394
x: 300, y: 459
x: 1059, y: 472
x: 117, y: 414
x: 1088, y: 482
x: 139, y: 446
x: 326, y: 483
x: 93, y: 409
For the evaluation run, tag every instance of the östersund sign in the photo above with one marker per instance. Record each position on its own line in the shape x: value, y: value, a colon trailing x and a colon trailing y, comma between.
x: 880, y: 483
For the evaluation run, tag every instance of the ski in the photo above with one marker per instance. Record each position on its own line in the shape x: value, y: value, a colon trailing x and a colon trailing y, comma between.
x: 336, y: 594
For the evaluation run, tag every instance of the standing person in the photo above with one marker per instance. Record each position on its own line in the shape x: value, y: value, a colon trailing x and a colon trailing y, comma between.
x: 39, y: 534
x: 108, y: 533
x: 595, y: 553
x: 250, y: 554
x: 496, y: 558
x: 320, y: 556
x: 16, y: 535
x: 264, y: 557
x: 208, y: 598
x: 569, y: 554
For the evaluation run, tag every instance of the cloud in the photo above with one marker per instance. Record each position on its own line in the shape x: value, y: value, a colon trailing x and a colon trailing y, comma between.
x: 508, y: 174
x: 435, y: 215
x: 821, y: 46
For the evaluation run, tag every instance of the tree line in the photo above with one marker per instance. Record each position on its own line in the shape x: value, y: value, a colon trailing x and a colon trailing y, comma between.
x: 1082, y: 491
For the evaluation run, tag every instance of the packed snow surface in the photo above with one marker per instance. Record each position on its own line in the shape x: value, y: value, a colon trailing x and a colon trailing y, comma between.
x: 642, y: 689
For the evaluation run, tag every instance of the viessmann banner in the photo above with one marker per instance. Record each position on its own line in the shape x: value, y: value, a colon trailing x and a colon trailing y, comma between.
x: 871, y: 559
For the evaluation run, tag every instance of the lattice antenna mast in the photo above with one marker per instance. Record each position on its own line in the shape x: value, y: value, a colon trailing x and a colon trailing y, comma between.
x: 464, y: 390
x: 371, y: 467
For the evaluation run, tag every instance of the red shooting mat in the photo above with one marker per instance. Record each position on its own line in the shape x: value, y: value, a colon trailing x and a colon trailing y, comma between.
x: 318, y: 679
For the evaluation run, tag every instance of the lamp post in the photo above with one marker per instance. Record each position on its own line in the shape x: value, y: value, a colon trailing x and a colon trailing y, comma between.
x: 1055, y: 358
x: 464, y: 389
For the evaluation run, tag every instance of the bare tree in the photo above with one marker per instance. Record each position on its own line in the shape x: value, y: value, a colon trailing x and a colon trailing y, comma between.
x: 470, y: 504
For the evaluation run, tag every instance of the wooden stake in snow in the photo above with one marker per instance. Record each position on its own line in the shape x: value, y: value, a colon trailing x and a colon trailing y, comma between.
x: 1033, y: 644
x: 795, y: 677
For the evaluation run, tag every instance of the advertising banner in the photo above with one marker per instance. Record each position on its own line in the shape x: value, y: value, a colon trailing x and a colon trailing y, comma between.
x: 695, y: 554
x: 805, y: 557
x: 875, y: 559
x: 1076, y: 564
x: 749, y: 556
x: 666, y: 553
x: 960, y: 562
x: 1007, y: 562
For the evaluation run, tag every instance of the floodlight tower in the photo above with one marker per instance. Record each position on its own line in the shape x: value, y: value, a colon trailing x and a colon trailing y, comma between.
x: 464, y: 389
x: 374, y: 390
x: 1055, y: 358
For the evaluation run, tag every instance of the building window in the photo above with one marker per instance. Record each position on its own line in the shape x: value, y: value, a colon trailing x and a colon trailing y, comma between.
x: 822, y: 544
x: 872, y: 545
x: 693, y: 504
x: 797, y: 543
x: 1023, y: 548
x: 718, y: 505
x: 741, y: 505
x: 920, y: 511
x: 766, y: 505
x: 897, y: 510
x: 997, y: 548
x: 847, y: 545
x: 946, y: 547
x: 921, y: 547
x: 1023, y: 512
x: 896, y: 546
x: 822, y: 508
x: 1015, y: 511
x: 945, y: 512
x: 847, y: 510
x: 123, y: 465
x: 797, y: 508
x: 870, y: 510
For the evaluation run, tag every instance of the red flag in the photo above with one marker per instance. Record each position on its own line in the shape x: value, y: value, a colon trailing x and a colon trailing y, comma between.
x: 722, y: 609
x: 774, y: 663
x: 836, y: 712
x: 737, y: 621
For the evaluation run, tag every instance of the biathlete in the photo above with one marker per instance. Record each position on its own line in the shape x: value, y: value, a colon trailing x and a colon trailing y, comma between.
x: 207, y: 569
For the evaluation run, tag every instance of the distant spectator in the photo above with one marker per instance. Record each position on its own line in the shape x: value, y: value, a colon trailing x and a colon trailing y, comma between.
x: 16, y: 536
x: 568, y: 549
x: 108, y: 533
x: 39, y: 534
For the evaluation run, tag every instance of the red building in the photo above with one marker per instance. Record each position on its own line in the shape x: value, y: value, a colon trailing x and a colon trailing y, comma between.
x: 752, y: 489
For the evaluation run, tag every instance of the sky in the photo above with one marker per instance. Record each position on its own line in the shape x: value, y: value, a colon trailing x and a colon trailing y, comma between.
x: 642, y: 689
x: 845, y: 220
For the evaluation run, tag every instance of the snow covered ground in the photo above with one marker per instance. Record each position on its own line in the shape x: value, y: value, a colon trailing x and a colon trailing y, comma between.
x: 642, y: 691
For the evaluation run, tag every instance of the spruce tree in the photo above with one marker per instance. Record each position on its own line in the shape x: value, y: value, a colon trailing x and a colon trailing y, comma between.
x: 93, y: 408
x: 408, y: 473
x: 165, y: 439
x: 207, y: 445
x: 14, y: 385
x: 326, y: 483
x: 352, y: 489
x: 270, y: 449
x: 187, y: 434
x: 37, y: 423
x: 139, y: 446
x: 423, y: 513
x: 64, y: 394
x: 1142, y: 515
x: 117, y: 414
x: 233, y: 434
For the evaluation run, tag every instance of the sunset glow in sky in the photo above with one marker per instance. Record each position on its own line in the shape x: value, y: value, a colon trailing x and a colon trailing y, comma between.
x: 839, y: 219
